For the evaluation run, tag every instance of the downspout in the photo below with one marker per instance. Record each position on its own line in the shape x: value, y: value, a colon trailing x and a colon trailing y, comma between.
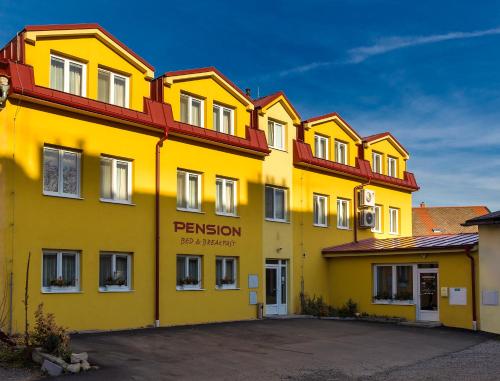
x: 473, y: 280
x: 159, y: 144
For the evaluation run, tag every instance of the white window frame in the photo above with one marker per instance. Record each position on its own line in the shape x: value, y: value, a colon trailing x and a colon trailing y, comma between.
x: 315, y: 210
x: 62, y: 289
x: 112, y: 76
x: 112, y: 288
x: 344, y: 160
x: 224, y: 181
x: 113, y: 198
x: 221, y: 118
x: 377, y: 209
x: 394, y: 284
x: 377, y: 158
x: 186, y: 264
x: 67, y: 62
x: 60, y: 183
x: 285, y: 207
x: 186, y: 189
x: 190, y: 110
x: 394, y: 221
x: 340, y: 202
x: 317, y: 140
x: 392, y: 166
x: 235, y: 269
x: 275, y: 126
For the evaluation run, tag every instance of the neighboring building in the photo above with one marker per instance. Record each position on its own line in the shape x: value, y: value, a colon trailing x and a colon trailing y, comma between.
x: 445, y: 219
x: 175, y: 199
x: 489, y: 269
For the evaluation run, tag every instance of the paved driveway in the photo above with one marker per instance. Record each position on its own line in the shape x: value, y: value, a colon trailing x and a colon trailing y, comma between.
x: 273, y: 350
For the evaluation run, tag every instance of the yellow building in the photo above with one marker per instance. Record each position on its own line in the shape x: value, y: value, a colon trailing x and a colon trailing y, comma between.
x: 179, y: 199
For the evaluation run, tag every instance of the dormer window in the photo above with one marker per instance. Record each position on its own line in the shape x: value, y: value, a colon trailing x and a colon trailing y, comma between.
x: 376, y: 162
x: 392, y: 166
x: 321, y: 144
x: 113, y: 88
x: 68, y: 75
x: 192, y: 110
x: 223, y: 119
x: 340, y: 152
x: 276, y: 135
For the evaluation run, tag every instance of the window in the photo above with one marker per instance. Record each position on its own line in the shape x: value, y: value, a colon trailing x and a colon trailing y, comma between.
x: 342, y: 214
x: 225, y: 272
x: 223, y: 119
x: 68, y: 76
x: 392, y: 166
x: 321, y: 146
x: 378, y: 219
x: 393, y: 283
x: 393, y: 221
x: 61, y: 172
x: 113, y: 88
x: 192, y: 110
x: 275, y: 204
x: 320, y: 210
x: 116, y: 180
x: 340, y: 152
x: 114, y: 271
x: 225, y: 202
x: 60, y: 271
x: 188, y: 191
x: 188, y: 272
x: 376, y: 162
x: 276, y: 135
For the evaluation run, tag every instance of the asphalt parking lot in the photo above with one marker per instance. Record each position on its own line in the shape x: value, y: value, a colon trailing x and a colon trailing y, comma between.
x: 297, y: 349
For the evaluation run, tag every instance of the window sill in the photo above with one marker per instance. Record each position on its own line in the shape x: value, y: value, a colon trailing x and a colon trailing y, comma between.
x: 61, y: 291
x: 112, y: 290
x: 62, y: 196
x: 278, y: 221
x: 190, y: 210
x: 226, y: 288
x: 393, y: 233
x: 107, y: 201
x: 189, y: 289
x: 394, y: 302
x: 377, y: 231
x: 227, y: 215
x: 278, y: 149
x: 320, y: 226
x: 343, y: 228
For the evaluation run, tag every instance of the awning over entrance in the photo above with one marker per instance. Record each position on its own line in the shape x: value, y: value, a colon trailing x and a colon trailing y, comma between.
x: 444, y: 242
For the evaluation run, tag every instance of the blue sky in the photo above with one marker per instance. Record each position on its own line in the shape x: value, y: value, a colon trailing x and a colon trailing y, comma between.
x: 427, y: 71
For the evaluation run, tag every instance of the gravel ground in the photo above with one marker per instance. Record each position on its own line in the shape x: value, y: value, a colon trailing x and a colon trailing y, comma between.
x: 18, y: 374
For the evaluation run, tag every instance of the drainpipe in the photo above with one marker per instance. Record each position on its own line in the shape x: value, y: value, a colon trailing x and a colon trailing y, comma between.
x: 355, y: 198
x: 159, y: 144
x: 473, y: 280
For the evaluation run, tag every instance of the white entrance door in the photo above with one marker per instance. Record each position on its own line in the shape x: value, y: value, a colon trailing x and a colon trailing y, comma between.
x: 428, y: 298
x: 276, y: 287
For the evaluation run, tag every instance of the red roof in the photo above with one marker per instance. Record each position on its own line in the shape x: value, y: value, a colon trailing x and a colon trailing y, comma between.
x: 422, y: 243
x: 265, y: 100
x: 445, y: 219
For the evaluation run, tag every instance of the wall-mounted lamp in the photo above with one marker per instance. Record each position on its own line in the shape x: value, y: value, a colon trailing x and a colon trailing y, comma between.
x: 278, y: 250
x: 4, y: 89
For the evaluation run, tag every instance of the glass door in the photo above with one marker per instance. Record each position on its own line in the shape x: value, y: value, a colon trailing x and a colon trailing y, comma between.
x: 276, y: 287
x: 428, y: 303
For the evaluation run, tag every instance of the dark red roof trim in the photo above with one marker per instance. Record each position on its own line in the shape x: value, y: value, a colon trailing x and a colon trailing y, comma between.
x: 303, y: 156
x: 371, y: 138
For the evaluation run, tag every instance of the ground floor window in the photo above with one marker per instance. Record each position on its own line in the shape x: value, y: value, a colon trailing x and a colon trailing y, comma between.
x: 60, y: 271
x: 188, y: 272
x: 225, y: 272
x: 393, y: 283
x: 114, y: 271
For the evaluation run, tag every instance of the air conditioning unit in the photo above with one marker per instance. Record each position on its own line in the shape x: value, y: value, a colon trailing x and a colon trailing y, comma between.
x: 366, y: 198
x: 367, y: 219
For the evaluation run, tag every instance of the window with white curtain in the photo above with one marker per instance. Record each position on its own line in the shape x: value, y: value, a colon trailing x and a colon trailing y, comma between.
x: 320, y: 210
x: 392, y: 166
x: 61, y: 172
x: 116, y: 180
x: 321, y: 146
x: 192, y: 110
x: 113, y: 88
x: 223, y: 119
x: 276, y: 135
x: 115, y: 271
x: 340, y: 152
x: 342, y: 213
x: 376, y: 162
x: 225, y: 272
x: 378, y: 219
x: 60, y: 271
x: 393, y: 283
x: 188, y: 191
x: 188, y: 272
x: 225, y: 202
x: 68, y: 75
x: 393, y: 221
x: 276, y: 204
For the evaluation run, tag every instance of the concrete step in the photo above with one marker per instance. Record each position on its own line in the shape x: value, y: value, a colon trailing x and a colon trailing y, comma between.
x: 424, y: 324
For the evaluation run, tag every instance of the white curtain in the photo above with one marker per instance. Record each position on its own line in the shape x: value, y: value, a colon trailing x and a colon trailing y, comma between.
x: 270, y: 133
x: 230, y: 207
x: 196, y: 112
x: 119, y: 84
x: 184, y: 109
x: 49, y: 268
x: 69, y: 269
x: 122, y: 181
x: 70, y: 173
x: 57, y: 74
x: 226, y: 120
x: 50, y: 170
x: 106, y: 170
x: 75, y: 78
x: 278, y: 136
x: 219, y: 203
x: 280, y: 203
x: 217, y: 119
x: 193, y: 191
x: 103, y: 85
x: 181, y: 190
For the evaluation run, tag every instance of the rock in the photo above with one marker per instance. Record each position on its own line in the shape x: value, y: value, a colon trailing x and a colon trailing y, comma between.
x: 73, y: 368
x: 85, y: 365
x: 79, y: 357
x: 51, y: 368
x: 36, y: 356
x: 56, y: 360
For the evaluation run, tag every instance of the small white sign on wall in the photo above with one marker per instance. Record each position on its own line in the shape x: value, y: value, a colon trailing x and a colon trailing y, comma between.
x: 490, y: 298
x: 253, y: 297
x: 253, y: 281
x: 458, y: 296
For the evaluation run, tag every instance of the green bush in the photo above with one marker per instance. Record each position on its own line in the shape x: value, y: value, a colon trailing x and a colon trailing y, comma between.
x: 47, y: 334
x: 316, y: 306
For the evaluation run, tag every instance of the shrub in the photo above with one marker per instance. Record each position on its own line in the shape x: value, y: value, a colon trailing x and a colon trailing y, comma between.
x: 315, y: 306
x: 349, y: 309
x: 47, y: 334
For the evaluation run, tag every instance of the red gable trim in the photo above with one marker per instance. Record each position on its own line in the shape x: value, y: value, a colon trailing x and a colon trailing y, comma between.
x: 371, y: 138
x: 332, y: 114
x: 88, y: 26
x: 264, y: 101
